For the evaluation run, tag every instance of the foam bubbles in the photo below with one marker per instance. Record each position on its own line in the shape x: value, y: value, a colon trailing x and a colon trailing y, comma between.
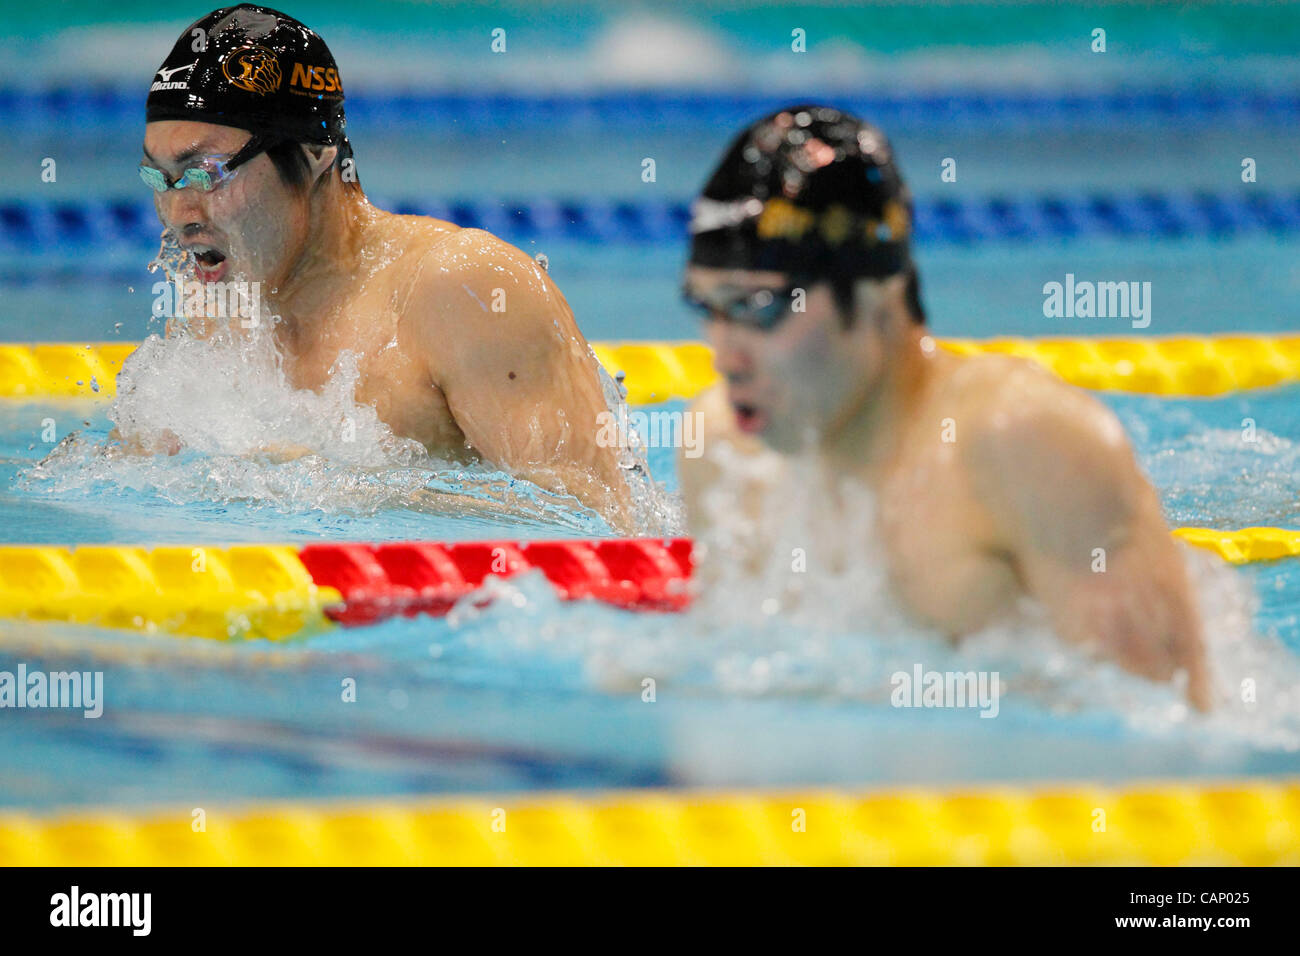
x: 228, y: 396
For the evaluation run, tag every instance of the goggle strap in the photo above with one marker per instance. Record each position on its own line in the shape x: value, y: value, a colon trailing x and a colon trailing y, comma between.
x: 259, y: 143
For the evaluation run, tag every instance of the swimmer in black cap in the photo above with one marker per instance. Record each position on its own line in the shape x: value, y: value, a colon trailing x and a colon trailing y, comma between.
x: 464, y: 342
x: 992, y: 479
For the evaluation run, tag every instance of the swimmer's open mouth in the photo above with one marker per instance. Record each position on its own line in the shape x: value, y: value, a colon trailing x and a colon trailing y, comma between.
x: 208, y: 262
x: 749, y: 419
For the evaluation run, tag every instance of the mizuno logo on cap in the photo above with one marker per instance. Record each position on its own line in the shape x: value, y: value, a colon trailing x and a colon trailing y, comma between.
x: 165, y: 81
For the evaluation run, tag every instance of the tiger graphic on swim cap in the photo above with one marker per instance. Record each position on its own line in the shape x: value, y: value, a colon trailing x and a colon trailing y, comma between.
x: 253, y: 68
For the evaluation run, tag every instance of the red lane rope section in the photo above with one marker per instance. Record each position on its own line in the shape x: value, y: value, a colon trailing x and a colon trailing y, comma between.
x: 378, y: 581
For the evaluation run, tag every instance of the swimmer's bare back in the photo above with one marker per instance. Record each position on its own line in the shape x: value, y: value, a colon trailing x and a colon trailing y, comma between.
x: 1004, y: 482
x: 464, y: 344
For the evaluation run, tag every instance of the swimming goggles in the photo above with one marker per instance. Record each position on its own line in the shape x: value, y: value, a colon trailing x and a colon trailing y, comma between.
x: 211, y: 173
x: 763, y: 309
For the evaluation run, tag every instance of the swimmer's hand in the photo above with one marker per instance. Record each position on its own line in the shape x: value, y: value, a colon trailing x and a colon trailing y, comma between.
x: 166, y: 442
x: 280, y: 452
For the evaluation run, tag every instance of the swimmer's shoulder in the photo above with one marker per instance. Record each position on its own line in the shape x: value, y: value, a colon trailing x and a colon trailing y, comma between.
x: 411, y: 234
x: 983, y: 370
x: 1013, y: 415
x: 452, y: 245
x: 469, y: 289
x: 992, y: 385
x: 442, y: 254
x: 461, y: 245
x: 456, y: 258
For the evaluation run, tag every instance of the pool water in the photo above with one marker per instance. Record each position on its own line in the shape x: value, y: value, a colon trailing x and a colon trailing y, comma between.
x: 533, y: 694
x: 495, y: 705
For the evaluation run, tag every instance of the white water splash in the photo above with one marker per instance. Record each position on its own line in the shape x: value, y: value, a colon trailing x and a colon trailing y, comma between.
x: 226, y: 396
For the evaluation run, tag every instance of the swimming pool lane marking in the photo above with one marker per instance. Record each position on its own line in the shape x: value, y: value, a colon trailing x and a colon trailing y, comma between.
x: 1186, y: 366
x: 1247, y: 822
x: 1172, y: 366
x: 109, y: 106
x: 245, y: 591
x: 1245, y: 546
x: 277, y: 592
x: 38, y: 227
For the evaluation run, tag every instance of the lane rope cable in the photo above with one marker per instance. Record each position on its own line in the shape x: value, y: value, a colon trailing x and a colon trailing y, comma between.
x: 1172, y: 366
x: 49, y: 227
x: 278, y: 592
x: 1241, y: 822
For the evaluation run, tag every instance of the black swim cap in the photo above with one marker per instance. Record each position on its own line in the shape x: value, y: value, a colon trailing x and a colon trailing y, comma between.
x: 257, y: 69
x: 808, y: 190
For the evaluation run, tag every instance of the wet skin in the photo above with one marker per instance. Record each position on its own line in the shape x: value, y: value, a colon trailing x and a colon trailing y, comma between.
x: 993, y: 479
x: 465, y: 344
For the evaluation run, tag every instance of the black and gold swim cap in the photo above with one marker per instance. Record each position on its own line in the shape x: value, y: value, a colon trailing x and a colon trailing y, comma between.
x: 808, y: 190
x: 253, y: 68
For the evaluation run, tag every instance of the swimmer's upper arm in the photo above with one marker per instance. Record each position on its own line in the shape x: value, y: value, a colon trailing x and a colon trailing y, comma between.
x: 1084, y: 531
x: 518, y: 377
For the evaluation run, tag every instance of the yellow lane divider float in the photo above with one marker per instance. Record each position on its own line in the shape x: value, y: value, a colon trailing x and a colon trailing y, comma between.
x: 1179, y: 366
x: 1254, y: 823
x: 658, y: 371
x: 252, y: 591
x: 1247, y: 545
x: 58, y: 370
x: 266, y: 591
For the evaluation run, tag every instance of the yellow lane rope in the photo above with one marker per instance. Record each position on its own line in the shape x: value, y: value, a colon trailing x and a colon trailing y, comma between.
x: 658, y: 371
x: 1246, y: 545
x: 255, y: 591
x: 1255, y: 823
x: 265, y: 591
x: 58, y: 370
x: 1178, y: 366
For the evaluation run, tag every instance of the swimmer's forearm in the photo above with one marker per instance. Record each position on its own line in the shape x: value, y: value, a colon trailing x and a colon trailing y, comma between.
x: 604, y: 493
x: 165, y: 442
x: 486, y: 504
x: 448, y: 503
x: 168, y: 442
x: 280, y: 452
